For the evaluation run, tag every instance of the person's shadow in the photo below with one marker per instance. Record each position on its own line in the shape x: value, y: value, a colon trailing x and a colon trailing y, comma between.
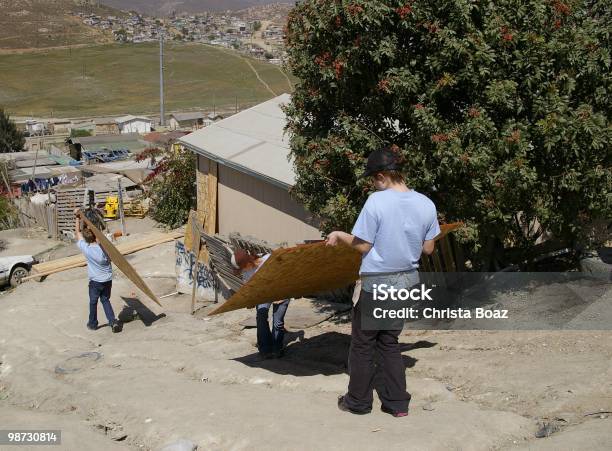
x: 134, y: 309
x: 324, y: 354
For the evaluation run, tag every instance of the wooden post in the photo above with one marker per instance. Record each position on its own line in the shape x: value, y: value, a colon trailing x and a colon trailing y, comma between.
x: 34, y: 168
x: 194, y: 276
x: 210, y: 221
x: 196, y: 249
x: 121, y: 214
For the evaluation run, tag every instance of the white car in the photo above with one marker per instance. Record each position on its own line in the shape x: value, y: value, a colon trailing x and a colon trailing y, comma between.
x: 13, y: 269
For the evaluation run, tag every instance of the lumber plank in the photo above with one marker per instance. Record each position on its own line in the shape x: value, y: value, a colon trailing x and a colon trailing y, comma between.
x: 210, y: 221
x: 75, y: 261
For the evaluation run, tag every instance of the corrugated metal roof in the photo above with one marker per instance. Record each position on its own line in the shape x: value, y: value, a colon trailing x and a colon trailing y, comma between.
x: 129, y: 118
x: 104, y: 139
x: 188, y: 116
x: 252, y: 141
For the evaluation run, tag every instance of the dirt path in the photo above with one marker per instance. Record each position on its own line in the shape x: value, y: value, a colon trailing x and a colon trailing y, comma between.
x: 248, y: 63
x: 175, y: 376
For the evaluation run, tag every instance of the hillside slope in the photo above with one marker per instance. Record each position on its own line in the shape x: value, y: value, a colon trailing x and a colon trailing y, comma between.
x: 119, y: 79
x: 166, y: 7
x: 31, y: 24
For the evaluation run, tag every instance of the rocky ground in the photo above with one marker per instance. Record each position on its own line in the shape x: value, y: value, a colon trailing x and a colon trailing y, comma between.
x: 170, y: 376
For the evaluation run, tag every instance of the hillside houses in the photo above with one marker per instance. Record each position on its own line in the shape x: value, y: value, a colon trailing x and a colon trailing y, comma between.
x: 219, y: 29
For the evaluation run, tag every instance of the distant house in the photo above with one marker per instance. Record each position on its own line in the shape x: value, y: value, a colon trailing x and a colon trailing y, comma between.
x: 134, y: 124
x: 60, y: 126
x: 106, y: 126
x: 34, y: 127
x: 86, y: 125
x: 191, y: 121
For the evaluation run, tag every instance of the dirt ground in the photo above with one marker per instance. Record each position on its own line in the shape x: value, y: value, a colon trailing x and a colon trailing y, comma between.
x: 170, y: 376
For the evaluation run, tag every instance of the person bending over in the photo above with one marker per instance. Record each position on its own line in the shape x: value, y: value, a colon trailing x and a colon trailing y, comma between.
x: 269, y: 342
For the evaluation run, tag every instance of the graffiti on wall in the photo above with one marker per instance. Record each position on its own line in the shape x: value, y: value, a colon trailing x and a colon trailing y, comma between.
x: 205, y: 282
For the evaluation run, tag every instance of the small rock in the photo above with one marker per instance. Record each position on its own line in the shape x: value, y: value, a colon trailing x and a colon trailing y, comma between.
x: 148, y: 420
x: 450, y: 387
x: 546, y: 430
x: 119, y: 436
x: 180, y: 445
x: 429, y: 407
x: 376, y: 430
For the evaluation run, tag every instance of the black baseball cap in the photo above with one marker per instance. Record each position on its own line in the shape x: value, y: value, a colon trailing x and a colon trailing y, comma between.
x: 386, y: 158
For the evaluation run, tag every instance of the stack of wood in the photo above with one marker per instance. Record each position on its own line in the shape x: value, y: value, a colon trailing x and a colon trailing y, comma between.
x: 249, y: 244
x: 220, y: 252
x: 66, y: 201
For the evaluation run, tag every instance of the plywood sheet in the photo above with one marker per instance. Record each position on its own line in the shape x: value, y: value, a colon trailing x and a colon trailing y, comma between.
x: 301, y: 271
x: 120, y: 261
x: 295, y: 272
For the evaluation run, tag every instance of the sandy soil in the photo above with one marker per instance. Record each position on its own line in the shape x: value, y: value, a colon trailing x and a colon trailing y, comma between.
x: 198, y: 378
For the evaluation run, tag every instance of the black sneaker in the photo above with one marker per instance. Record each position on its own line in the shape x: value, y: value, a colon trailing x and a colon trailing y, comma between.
x: 342, y: 406
x: 116, y: 327
x: 92, y: 327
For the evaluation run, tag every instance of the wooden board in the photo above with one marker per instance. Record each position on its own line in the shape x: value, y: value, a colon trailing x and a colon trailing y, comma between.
x: 302, y: 271
x: 295, y: 272
x: 210, y: 221
x: 75, y: 261
x: 120, y: 261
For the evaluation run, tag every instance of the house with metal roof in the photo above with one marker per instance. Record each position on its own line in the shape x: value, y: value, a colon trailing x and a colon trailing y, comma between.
x: 191, y: 120
x: 134, y: 124
x: 244, y: 175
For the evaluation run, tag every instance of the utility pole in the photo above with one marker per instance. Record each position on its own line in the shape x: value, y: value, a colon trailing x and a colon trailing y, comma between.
x: 162, y: 120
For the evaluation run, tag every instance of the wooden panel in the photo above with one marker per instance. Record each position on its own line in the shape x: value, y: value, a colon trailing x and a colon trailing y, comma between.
x: 120, y: 261
x: 210, y: 221
x: 304, y: 270
x: 447, y: 254
x: 296, y: 272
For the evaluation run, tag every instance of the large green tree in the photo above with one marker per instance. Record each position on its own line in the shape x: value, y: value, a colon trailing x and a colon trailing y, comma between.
x: 11, y: 139
x: 501, y: 109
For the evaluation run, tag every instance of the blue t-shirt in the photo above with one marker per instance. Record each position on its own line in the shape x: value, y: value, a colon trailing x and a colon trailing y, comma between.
x: 396, y: 224
x: 99, y: 267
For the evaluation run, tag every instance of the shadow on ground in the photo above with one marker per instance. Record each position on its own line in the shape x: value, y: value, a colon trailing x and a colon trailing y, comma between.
x: 134, y: 309
x: 324, y: 354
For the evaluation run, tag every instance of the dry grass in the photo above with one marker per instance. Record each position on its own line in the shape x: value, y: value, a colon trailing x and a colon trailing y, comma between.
x: 116, y: 79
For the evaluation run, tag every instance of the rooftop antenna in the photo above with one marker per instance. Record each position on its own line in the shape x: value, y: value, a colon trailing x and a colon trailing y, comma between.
x: 162, y: 120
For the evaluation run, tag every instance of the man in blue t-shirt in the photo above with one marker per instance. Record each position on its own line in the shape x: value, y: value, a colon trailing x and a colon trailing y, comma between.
x: 100, y: 274
x: 395, y: 227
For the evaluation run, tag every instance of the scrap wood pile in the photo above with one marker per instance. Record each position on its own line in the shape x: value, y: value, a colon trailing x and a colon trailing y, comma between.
x: 220, y: 250
x: 63, y: 264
